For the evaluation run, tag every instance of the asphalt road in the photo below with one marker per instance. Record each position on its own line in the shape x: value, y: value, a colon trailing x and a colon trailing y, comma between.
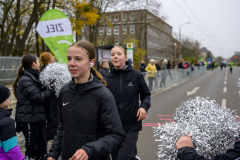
x: 219, y: 85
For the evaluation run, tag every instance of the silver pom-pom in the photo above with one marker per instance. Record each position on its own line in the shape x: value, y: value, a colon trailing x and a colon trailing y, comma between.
x: 212, y: 128
x: 54, y: 76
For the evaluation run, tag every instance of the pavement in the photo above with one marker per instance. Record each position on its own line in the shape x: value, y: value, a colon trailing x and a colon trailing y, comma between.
x: 219, y: 85
x: 210, y: 84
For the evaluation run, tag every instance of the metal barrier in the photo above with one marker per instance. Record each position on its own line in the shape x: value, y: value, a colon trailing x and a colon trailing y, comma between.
x: 8, y: 69
x: 165, y: 78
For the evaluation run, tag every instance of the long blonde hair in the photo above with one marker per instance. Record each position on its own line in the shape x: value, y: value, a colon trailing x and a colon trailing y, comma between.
x: 91, y: 54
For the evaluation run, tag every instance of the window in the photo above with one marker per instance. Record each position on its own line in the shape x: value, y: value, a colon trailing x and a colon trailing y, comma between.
x: 109, y: 31
x: 116, y: 17
x: 132, y: 16
x: 116, y: 42
x: 132, y: 29
x: 124, y: 17
x: 109, y: 18
x: 116, y: 30
x: 124, y: 29
x: 101, y: 31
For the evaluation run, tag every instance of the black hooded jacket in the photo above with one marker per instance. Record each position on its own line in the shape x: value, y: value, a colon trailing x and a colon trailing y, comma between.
x: 103, y: 71
x: 188, y: 153
x: 30, y: 100
x: 88, y: 120
x: 126, y: 85
x: 52, y: 114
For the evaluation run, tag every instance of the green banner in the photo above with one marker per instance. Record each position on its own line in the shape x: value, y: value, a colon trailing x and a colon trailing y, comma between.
x: 55, y: 29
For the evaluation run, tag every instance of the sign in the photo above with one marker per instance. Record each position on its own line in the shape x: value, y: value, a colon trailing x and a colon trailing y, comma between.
x: 56, y: 30
x: 130, y: 52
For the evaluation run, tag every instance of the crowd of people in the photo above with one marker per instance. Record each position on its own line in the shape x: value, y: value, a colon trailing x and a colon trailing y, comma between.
x: 96, y: 116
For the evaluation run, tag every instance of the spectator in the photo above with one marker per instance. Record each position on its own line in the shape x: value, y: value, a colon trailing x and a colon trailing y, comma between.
x: 151, y: 68
x: 51, y: 107
x: 142, y: 68
x: 157, y: 74
x: 30, y: 110
x: 169, y: 69
x: 103, y: 69
x: 9, y: 149
x: 164, y: 73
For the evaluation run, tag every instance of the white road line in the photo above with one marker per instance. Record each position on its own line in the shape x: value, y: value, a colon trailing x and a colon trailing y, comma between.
x: 226, y: 78
x: 223, y: 103
x: 225, y: 89
x: 225, y: 82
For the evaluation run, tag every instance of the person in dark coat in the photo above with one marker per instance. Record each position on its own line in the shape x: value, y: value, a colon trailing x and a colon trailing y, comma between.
x: 142, y: 68
x: 169, y: 69
x: 51, y: 108
x: 158, y: 70
x: 187, y: 152
x: 164, y: 73
x: 89, y: 124
x: 9, y: 149
x: 127, y: 85
x: 104, y: 69
x: 30, y: 109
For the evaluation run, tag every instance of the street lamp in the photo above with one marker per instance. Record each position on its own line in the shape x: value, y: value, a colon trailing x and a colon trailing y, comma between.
x: 180, y: 37
x: 175, y: 51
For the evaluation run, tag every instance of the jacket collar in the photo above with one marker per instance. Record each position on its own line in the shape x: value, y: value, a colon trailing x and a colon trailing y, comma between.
x: 30, y: 75
x: 84, y: 87
x: 5, y: 113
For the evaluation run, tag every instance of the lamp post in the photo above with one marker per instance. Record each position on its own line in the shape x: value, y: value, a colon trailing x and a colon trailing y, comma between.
x: 180, y: 55
x: 175, y: 51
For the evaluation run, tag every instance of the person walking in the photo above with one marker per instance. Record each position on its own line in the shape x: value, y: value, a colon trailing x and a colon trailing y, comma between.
x: 231, y: 66
x: 51, y: 107
x: 180, y: 71
x: 89, y: 123
x: 221, y: 65
x: 151, y: 69
x: 164, y: 73
x: 127, y: 85
x: 142, y: 68
x: 9, y: 149
x: 158, y: 72
x: 104, y: 68
x: 30, y: 109
x: 169, y: 69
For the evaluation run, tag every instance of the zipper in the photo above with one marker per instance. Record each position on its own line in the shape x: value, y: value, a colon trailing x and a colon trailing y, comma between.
x: 74, y: 120
x: 121, y: 91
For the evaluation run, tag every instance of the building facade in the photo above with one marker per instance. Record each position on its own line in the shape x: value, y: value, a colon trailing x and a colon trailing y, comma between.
x: 140, y: 27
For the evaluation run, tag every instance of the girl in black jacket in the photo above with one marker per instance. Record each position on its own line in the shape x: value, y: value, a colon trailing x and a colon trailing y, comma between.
x: 46, y: 58
x: 89, y: 125
x: 127, y: 85
x: 30, y: 112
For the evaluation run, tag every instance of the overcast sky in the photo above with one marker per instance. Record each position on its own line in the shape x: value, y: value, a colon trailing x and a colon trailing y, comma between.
x: 220, y: 20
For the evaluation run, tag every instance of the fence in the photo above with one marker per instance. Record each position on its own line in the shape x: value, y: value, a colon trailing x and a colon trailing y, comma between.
x: 8, y: 69
x: 166, y: 78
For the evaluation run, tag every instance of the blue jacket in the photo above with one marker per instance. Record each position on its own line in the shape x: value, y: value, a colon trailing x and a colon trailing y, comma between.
x: 142, y: 67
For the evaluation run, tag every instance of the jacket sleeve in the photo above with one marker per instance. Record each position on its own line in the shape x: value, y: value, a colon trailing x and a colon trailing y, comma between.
x: 30, y: 91
x: 147, y: 69
x: 56, y: 147
x: 9, y: 140
x: 145, y: 94
x: 231, y: 154
x: 114, y: 135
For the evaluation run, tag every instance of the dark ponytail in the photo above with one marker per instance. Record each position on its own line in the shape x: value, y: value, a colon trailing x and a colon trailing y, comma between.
x: 27, y: 61
x: 98, y: 75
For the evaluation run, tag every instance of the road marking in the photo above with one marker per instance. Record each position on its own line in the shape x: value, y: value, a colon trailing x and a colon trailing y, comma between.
x: 225, y: 78
x: 225, y: 89
x: 193, y: 91
x: 225, y: 82
x: 223, y: 103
